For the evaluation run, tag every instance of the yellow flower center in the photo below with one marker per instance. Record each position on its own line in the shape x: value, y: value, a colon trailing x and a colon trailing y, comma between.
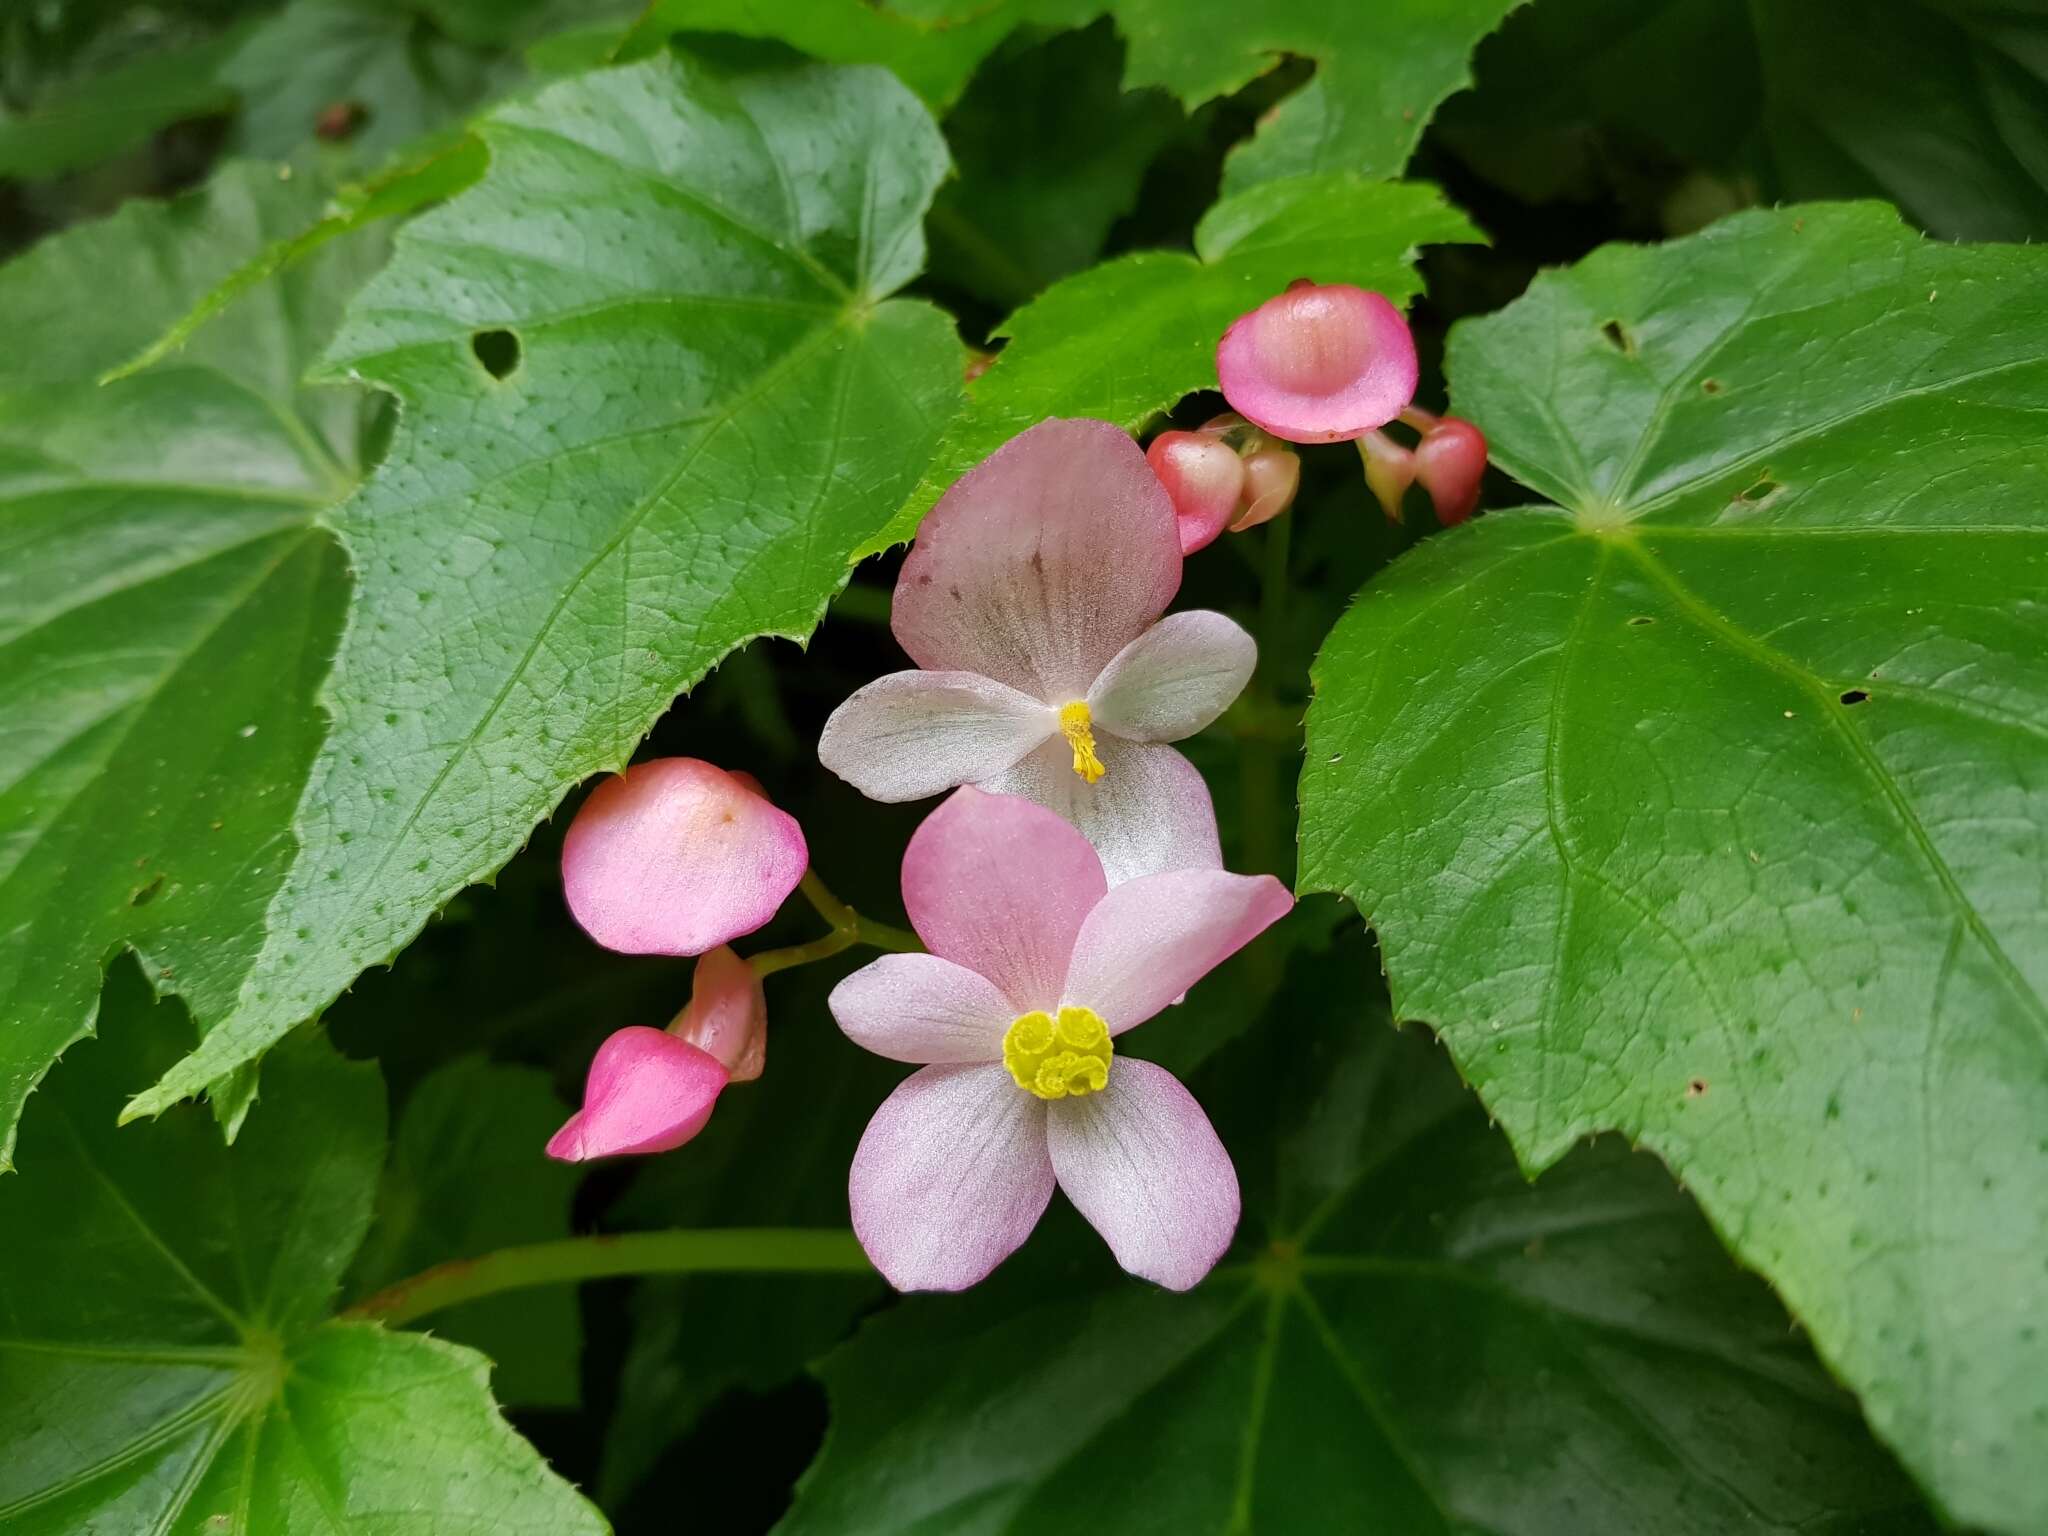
x: 1076, y: 724
x: 1059, y: 1058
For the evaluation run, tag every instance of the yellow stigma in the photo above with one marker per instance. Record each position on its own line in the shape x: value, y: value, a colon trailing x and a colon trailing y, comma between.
x: 1075, y: 723
x: 1059, y: 1059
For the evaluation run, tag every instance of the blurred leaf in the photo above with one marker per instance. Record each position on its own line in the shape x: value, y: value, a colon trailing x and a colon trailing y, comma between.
x: 466, y: 1176
x: 1410, y: 1339
x: 166, y: 1366
x: 1125, y: 340
x: 1738, y: 838
x: 655, y: 394
x: 168, y: 603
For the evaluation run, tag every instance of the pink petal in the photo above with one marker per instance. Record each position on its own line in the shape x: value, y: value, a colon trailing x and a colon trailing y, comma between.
x: 950, y: 1177
x: 914, y: 734
x: 1041, y: 563
x: 1141, y: 1161
x: 676, y: 856
x: 1319, y: 364
x: 1203, y: 477
x: 921, y: 1008
x: 1000, y: 886
x: 647, y: 1092
x: 1150, y: 812
x: 1175, y: 678
x: 727, y: 1016
x: 1149, y: 940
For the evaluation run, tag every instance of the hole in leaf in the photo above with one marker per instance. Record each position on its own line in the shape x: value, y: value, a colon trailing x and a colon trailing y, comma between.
x: 1761, y: 491
x: 498, y: 351
x: 1618, y: 337
x: 148, y: 893
x: 339, y: 120
x: 1710, y: 386
x: 1696, y: 1088
x: 1854, y: 696
x: 1642, y: 619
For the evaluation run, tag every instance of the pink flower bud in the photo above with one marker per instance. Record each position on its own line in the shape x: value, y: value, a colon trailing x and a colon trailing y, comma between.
x: 1271, y: 477
x: 727, y: 1016
x: 647, y: 1092
x: 1450, y: 461
x: 1203, y: 477
x: 1319, y: 363
x: 676, y: 856
x: 1389, y: 471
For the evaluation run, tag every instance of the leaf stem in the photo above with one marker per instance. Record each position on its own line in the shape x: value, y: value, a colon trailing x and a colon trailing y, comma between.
x: 682, y: 1251
x: 848, y: 929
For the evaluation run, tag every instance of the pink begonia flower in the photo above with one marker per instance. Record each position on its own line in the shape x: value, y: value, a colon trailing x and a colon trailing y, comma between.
x: 1319, y: 363
x: 1035, y: 966
x: 651, y: 1090
x: 1031, y: 602
x: 676, y: 856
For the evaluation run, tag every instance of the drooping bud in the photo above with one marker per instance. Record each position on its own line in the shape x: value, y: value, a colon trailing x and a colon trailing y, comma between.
x: 1319, y: 363
x: 647, y: 1092
x: 1450, y: 461
x: 727, y: 1016
x: 1271, y: 477
x: 676, y: 856
x: 1389, y: 471
x: 1204, y: 478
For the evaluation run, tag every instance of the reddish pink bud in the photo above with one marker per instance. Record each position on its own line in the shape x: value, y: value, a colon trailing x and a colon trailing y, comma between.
x: 1203, y: 477
x: 676, y: 856
x: 1271, y: 477
x: 727, y: 1017
x: 1389, y: 471
x: 1450, y: 461
x: 1319, y: 364
x: 647, y: 1092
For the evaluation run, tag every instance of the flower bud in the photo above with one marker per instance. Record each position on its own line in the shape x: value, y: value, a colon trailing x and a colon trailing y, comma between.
x: 1389, y: 471
x: 1203, y: 477
x: 1319, y: 363
x: 647, y: 1092
x: 1271, y: 477
x: 727, y: 1016
x: 676, y: 856
x: 1450, y: 461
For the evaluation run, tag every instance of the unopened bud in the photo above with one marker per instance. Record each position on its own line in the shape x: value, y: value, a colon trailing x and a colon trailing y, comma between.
x: 1389, y: 471
x: 1271, y: 477
x: 1450, y: 461
x: 1203, y: 477
x: 647, y: 1092
x: 727, y: 1015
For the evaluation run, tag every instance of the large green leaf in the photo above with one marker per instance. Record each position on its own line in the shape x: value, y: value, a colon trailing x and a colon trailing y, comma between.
x: 164, y: 1363
x: 1125, y: 340
x: 654, y: 395
x: 1940, y: 105
x: 1711, y: 804
x: 168, y: 604
x: 1409, y: 1340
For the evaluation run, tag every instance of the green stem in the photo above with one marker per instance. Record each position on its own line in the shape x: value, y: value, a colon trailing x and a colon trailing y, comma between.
x: 848, y: 929
x: 1263, y: 758
x: 726, y: 1250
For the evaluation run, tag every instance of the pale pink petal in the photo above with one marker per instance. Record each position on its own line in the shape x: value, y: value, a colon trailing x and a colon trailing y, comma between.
x: 914, y: 734
x: 1001, y: 886
x: 950, y: 1177
x: 924, y: 1009
x: 1149, y: 940
x: 647, y: 1092
x: 1175, y: 678
x: 1319, y: 364
x: 1203, y: 477
x: 1041, y: 563
x: 1149, y: 812
x: 676, y: 856
x: 1141, y: 1161
x: 727, y: 1015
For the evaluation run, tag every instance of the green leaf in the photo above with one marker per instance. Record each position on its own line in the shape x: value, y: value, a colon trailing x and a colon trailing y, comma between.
x: 466, y: 1176
x: 1410, y: 1339
x: 704, y: 402
x: 164, y: 1365
x: 1711, y: 804
x: 168, y: 603
x: 1939, y: 105
x: 1127, y: 339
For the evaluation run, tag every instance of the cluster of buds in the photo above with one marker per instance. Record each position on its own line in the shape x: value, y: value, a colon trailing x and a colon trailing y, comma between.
x: 1227, y: 474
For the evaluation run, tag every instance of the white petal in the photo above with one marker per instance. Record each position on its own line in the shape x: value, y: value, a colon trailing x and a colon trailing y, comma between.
x: 914, y: 734
x: 1141, y: 1161
x: 1175, y: 678
x: 1149, y: 812
x: 924, y: 1009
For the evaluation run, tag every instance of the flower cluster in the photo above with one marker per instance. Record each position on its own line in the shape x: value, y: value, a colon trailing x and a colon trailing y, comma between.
x: 1071, y: 885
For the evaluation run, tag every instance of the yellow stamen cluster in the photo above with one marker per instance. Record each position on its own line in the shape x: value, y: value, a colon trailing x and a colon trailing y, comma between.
x: 1059, y: 1058
x: 1077, y: 725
